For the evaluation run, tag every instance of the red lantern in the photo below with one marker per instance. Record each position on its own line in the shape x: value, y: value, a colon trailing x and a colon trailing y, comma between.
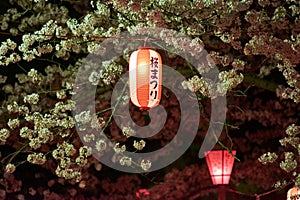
x: 142, y: 193
x: 145, y: 77
x: 220, y: 164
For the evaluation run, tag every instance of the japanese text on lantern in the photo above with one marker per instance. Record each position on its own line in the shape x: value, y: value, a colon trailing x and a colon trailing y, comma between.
x: 153, y: 78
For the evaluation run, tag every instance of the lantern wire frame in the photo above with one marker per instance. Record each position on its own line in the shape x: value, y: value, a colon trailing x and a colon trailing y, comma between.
x: 220, y: 163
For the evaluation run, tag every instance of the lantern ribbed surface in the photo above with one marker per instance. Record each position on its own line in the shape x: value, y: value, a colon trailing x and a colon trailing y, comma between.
x: 145, y: 77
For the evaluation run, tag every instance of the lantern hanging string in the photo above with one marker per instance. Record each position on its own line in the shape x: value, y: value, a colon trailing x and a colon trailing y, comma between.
x: 145, y: 41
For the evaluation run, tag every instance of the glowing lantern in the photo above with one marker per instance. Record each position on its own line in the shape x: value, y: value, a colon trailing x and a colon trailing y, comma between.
x: 293, y: 193
x: 220, y: 164
x: 142, y: 193
x: 145, y: 77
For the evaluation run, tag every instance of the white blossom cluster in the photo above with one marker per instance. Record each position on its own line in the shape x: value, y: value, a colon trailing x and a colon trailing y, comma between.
x: 292, y: 138
x: 228, y: 80
x: 15, y: 108
x: 100, y: 145
x: 139, y: 145
x: 10, y: 168
x: 238, y: 64
x: 128, y: 131
x: 68, y: 173
x: 84, y: 117
x: 47, y: 11
x: 5, y: 47
x: 292, y: 130
x: 41, y: 127
x: 281, y: 184
x: 67, y: 164
x: 292, y: 77
x: 289, y: 163
x: 145, y: 165
x: 194, y: 47
x: 268, y: 158
x: 61, y: 94
x: 34, y: 76
x: 97, y: 122
x: 119, y: 154
x: 3, y: 79
x: 292, y: 93
x: 43, y: 124
x: 297, y: 179
x: 84, y: 153
x: 28, y: 48
x: 64, y: 150
x: 4, y: 134
x: 30, y: 53
x: 94, y: 78
x: 87, y: 25
x: 119, y: 149
x: 111, y: 72
x: 196, y: 84
x: 31, y: 99
x: 36, y: 158
x: 108, y: 75
x: 13, y: 123
x: 215, y: 58
x: 125, y: 160
x: 88, y: 138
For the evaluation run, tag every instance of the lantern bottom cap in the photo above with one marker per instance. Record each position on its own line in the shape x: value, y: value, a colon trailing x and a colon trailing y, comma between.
x: 144, y: 108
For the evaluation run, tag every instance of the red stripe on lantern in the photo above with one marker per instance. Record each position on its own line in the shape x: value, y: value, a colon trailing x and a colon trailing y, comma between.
x: 142, y: 77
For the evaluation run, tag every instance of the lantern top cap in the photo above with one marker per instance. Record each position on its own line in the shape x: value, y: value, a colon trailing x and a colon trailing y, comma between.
x: 145, y: 48
x: 220, y: 150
